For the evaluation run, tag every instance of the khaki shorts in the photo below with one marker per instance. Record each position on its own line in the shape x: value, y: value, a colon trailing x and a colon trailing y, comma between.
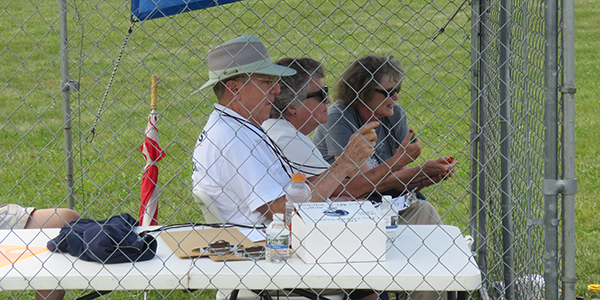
x: 13, y: 216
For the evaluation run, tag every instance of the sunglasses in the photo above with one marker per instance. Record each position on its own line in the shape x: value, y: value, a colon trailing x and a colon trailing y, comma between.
x: 322, y: 94
x: 388, y: 93
x: 224, y: 249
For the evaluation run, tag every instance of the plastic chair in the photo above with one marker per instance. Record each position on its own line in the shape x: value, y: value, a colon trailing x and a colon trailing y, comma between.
x: 210, y: 212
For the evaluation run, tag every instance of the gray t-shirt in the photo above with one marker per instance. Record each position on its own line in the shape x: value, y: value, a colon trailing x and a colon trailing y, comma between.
x: 332, y: 137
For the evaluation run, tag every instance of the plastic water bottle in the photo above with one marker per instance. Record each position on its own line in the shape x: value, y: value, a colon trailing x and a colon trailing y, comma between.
x: 278, y: 240
x: 297, y: 192
x: 390, y: 216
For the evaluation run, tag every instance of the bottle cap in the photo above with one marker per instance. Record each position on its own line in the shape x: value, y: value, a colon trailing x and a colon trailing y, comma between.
x: 386, y: 199
x: 298, y: 177
x: 278, y: 217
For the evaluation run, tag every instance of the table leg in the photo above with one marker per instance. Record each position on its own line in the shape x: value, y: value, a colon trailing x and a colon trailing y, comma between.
x: 264, y: 295
x: 234, y: 295
x: 451, y: 295
x: 94, y: 295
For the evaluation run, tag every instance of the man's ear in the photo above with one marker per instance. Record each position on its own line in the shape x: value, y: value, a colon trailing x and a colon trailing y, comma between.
x: 232, y: 87
x: 292, y: 110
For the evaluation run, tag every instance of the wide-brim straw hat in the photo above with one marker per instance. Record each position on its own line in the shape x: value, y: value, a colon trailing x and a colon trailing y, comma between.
x: 242, y: 55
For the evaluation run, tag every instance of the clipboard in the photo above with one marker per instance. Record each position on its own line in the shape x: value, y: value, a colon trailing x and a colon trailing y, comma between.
x: 186, y: 243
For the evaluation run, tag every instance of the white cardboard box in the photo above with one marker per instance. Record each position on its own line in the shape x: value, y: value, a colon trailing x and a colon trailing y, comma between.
x: 338, y: 232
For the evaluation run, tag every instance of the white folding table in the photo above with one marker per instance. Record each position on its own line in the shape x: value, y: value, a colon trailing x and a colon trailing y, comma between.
x: 48, y: 270
x: 422, y: 258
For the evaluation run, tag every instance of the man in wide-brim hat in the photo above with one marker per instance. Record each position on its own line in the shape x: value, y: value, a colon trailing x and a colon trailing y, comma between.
x: 232, y: 161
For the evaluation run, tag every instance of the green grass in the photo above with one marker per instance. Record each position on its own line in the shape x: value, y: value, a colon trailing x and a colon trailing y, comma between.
x: 587, y: 154
x: 436, y: 93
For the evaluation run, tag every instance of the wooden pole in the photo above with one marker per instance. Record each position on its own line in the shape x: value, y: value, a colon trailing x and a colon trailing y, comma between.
x: 154, y: 93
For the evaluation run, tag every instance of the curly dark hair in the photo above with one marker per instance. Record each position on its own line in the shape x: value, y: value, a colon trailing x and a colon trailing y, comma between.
x: 363, y: 76
x: 294, y: 88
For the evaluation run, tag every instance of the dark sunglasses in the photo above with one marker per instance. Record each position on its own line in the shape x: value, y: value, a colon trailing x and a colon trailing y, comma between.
x: 388, y: 93
x: 224, y: 249
x: 322, y: 94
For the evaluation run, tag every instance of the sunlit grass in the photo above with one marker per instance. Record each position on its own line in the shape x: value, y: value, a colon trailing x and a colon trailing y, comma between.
x: 587, y: 99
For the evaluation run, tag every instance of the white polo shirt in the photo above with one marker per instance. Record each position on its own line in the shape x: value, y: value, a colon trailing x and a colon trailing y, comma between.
x: 234, y: 164
x: 296, y: 146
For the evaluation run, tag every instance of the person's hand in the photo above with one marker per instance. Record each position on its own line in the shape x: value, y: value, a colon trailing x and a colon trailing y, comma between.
x: 436, y: 170
x: 361, y: 145
x: 406, y: 153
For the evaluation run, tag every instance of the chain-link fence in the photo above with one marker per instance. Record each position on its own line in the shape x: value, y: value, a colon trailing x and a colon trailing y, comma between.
x: 476, y: 78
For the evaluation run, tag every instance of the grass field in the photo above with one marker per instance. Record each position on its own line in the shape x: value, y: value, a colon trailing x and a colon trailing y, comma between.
x: 587, y: 160
x: 436, y: 93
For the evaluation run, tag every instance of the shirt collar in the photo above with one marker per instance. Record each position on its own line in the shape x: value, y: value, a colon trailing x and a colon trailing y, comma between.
x: 229, y: 111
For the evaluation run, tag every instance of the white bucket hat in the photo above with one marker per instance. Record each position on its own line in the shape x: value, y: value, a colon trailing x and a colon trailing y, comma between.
x: 242, y: 55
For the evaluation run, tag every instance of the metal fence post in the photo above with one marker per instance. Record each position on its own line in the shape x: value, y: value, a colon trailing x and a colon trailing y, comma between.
x: 483, y: 139
x: 475, y: 96
x: 66, y: 87
x: 505, y: 148
x: 551, y: 221
x: 568, y: 143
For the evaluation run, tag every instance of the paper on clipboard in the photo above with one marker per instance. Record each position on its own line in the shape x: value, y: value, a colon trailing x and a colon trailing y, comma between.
x: 254, y: 234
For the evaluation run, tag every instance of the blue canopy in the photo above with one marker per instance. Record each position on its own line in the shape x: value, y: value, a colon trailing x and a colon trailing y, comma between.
x: 150, y: 9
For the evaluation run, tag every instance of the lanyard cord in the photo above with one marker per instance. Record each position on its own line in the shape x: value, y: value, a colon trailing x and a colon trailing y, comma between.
x: 183, y: 225
x: 276, y: 149
x: 263, y: 136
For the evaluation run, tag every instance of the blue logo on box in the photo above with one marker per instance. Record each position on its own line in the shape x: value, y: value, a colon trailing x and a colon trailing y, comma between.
x: 336, y: 212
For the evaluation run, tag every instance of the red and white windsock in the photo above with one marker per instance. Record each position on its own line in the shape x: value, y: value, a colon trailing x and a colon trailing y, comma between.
x: 152, y: 153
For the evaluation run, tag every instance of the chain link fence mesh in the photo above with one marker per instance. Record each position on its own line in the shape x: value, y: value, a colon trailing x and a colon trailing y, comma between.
x: 521, y: 222
x: 437, y: 94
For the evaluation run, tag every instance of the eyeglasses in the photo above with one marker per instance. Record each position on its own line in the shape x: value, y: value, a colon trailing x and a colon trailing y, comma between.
x: 322, y: 94
x: 269, y: 81
x: 388, y: 93
x: 220, y: 247
x: 224, y: 249
x: 252, y: 253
